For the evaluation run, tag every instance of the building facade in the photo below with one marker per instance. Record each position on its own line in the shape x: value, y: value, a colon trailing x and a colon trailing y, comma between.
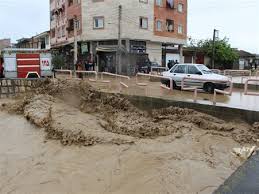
x: 5, y: 43
x: 40, y: 41
x: 144, y: 28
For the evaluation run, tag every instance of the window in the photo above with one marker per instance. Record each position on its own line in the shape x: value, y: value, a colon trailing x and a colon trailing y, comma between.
x: 53, y: 33
x: 143, y: 1
x: 63, y: 31
x: 193, y: 70
x: 70, y: 25
x: 180, y: 29
x: 70, y: 3
x: 180, y: 69
x: 78, y: 24
x: 143, y: 23
x: 170, y: 4
x: 159, y: 3
x: 180, y: 8
x: 170, y: 25
x: 59, y: 32
x: 98, y: 22
x: 159, y: 25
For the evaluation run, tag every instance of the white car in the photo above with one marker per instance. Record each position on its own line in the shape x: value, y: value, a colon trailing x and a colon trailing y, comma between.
x: 180, y: 71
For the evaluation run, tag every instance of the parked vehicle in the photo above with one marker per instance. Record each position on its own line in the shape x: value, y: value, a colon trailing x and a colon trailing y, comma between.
x: 146, y: 68
x: 180, y: 71
x: 25, y: 63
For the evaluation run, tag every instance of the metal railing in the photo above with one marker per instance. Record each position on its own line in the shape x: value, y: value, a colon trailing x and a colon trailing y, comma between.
x: 114, y: 75
x: 217, y: 91
x: 242, y: 72
x: 154, y: 76
x: 196, y: 89
x: 70, y: 72
x: 159, y: 70
x: 121, y: 83
x: 246, y: 92
x: 89, y: 72
x: 217, y: 71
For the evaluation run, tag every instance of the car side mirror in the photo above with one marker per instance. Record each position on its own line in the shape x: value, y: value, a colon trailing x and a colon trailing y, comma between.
x: 199, y: 73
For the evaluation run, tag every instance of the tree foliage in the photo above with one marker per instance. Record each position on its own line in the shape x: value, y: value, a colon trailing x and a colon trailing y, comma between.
x: 58, y: 61
x: 225, y: 56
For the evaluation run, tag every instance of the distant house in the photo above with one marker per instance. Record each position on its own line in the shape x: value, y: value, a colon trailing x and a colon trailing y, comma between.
x: 246, y: 60
x: 195, y: 55
x: 24, y: 43
x: 43, y: 40
x: 5, y: 43
x: 40, y: 41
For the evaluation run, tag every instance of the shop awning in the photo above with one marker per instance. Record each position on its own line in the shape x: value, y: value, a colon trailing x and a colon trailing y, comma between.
x: 108, y: 49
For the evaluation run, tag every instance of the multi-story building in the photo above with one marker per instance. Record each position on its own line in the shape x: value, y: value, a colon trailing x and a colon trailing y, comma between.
x: 145, y: 28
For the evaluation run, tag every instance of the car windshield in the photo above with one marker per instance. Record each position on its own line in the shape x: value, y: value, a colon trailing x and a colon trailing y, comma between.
x: 204, y: 69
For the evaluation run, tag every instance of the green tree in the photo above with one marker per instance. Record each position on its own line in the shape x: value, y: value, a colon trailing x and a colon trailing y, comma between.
x: 225, y: 56
x: 58, y: 61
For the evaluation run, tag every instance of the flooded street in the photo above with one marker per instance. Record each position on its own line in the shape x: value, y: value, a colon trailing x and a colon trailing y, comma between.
x: 153, y: 89
x: 29, y: 164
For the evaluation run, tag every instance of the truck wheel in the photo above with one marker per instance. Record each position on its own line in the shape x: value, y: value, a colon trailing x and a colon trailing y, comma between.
x: 33, y: 75
x: 209, y: 87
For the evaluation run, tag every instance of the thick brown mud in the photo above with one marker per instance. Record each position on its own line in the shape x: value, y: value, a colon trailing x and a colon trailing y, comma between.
x: 76, y: 113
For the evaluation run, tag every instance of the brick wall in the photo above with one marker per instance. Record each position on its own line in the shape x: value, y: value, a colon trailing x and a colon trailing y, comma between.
x: 163, y: 13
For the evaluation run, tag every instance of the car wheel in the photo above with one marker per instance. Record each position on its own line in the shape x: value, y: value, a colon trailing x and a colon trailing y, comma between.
x: 209, y: 87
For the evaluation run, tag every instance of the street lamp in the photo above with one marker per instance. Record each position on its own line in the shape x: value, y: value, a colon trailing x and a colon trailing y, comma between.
x: 215, y: 36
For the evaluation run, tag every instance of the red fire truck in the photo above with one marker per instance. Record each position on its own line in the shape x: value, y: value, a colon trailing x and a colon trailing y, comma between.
x: 25, y: 63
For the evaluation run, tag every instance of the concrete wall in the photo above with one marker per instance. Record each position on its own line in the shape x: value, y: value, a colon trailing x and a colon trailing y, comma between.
x: 230, y: 114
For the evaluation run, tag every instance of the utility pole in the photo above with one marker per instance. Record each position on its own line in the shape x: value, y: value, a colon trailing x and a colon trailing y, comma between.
x: 75, y: 42
x: 214, y: 49
x: 119, y: 65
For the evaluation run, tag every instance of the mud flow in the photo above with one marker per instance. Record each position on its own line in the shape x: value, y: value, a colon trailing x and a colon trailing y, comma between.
x: 112, y: 146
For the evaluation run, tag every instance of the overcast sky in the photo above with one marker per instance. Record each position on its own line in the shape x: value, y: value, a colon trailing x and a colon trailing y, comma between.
x: 236, y: 19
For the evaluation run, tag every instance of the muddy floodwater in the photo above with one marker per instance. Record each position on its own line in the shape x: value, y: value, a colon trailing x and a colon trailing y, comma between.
x: 102, y: 144
x: 29, y: 164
